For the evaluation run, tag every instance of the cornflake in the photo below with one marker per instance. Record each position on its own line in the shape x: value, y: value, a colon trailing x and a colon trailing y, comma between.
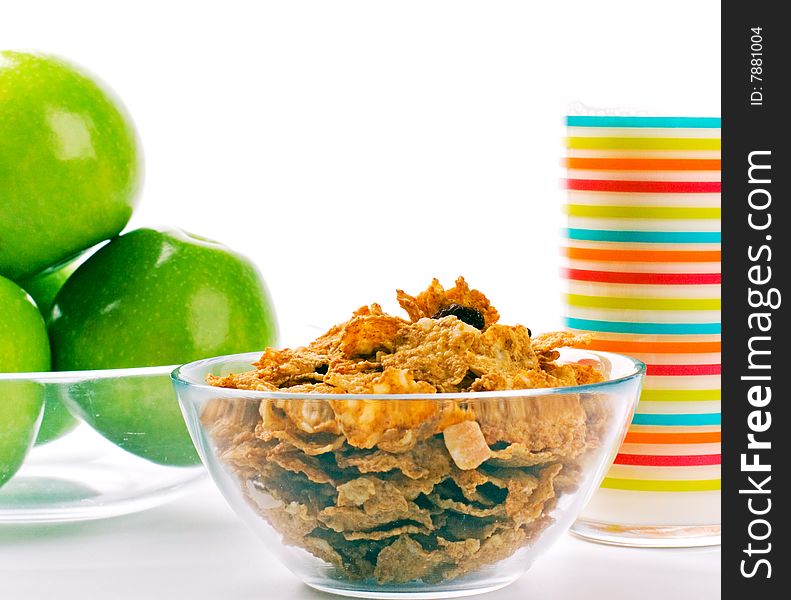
x: 412, y: 488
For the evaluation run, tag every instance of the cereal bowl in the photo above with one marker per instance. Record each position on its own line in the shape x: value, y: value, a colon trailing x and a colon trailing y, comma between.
x: 441, y: 514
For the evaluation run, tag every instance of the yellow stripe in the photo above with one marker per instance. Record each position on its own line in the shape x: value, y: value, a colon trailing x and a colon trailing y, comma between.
x: 654, y: 485
x: 681, y: 395
x: 635, y: 143
x: 644, y: 303
x: 642, y: 212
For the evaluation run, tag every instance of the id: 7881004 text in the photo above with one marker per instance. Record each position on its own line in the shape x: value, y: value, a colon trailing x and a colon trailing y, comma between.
x: 756, y: 66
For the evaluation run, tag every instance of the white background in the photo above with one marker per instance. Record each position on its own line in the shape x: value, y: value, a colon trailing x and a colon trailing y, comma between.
x: 354, y: 147
x: 195, y: 549
x: 351, y: 148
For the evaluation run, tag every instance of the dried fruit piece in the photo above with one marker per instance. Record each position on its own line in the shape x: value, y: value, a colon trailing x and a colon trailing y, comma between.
x: 471, y: 316
x: 466, y: 445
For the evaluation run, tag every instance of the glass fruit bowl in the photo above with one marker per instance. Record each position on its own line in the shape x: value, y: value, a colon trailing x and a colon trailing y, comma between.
x: 130, y: 451
x: 460, y: 501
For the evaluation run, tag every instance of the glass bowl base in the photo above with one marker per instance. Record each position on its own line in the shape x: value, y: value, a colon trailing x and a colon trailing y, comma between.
x: 648, y: 536
x: 82, y: 477
x: 486, y: 579
x: 413, y: 591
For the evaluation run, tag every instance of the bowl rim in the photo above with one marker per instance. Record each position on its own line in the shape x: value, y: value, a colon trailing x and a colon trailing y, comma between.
x: 86, y: 375
x: 179, y: 378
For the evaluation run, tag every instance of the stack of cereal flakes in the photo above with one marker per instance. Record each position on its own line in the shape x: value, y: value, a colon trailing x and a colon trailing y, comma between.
x: 401, y: 490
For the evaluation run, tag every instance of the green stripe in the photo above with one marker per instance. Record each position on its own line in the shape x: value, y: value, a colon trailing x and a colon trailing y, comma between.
x: 651, y: 485
x: 680, y: 395
x: 643, y: 212
x: 642, y: 143
x: 644, y: 303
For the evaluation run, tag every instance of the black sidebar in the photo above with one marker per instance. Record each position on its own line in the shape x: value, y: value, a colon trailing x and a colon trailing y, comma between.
x: 756, y: 245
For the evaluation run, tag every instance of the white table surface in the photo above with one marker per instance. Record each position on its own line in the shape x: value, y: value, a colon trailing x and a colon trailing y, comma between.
x: 195, y: 548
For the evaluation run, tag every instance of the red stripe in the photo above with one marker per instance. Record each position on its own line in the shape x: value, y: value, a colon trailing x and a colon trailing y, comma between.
x: 668, y: 461
x: 647, y: 278
x: 653, y: 187
x: 684, y: 369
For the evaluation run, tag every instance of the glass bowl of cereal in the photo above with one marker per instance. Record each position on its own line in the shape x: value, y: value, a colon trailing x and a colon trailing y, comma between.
x: 431, y: 457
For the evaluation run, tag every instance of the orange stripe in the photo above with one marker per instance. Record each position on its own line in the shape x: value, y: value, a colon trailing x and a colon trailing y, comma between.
x: 655, y: 347
x: 644, y: 164
x: 639, y: 437
x: 662, y: 256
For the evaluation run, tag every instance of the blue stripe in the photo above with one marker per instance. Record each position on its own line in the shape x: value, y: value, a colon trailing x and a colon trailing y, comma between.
x: 650, y: 237
x: 634, y: 121
x: 677, y: 419
x: 658, y: 328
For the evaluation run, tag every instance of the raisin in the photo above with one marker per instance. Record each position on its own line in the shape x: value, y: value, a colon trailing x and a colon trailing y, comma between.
x: 471, y: 316
x: 322, y: 369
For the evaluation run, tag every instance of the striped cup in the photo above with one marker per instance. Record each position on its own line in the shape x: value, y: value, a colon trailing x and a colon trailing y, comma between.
x: 641, y: 262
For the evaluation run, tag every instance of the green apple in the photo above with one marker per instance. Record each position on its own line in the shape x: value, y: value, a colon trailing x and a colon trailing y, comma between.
x: 57, y: 420
x: 70, y: 168
x: 23, y: 347
x: 154, y: 297
x: 45, y: 286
